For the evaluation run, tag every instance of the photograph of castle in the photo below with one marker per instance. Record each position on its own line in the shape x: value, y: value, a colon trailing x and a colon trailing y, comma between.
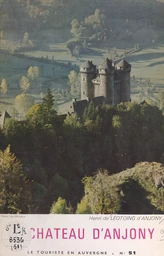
x: 81, y: 107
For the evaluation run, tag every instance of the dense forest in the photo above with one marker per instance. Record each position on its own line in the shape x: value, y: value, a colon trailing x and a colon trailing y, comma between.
x: 39, y: 14
x: 85, y: 24
x: 52, y: 163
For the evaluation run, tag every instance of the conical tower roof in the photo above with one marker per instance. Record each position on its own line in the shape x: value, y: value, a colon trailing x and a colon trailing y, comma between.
x: 88, y: 64
x: 123, y: 65
x: 106, y: 64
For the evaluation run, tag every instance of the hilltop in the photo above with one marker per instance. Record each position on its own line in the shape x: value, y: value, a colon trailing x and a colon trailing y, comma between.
x: 135, y: 190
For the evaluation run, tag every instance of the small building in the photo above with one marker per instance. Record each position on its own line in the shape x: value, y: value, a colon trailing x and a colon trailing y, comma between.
x: 3, y: 117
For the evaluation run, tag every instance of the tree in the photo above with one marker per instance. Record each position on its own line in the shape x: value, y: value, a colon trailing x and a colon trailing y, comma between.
x: 24, y: 83
x: 33, y: 73
x: 95, y: 24
x: 23, y: 102
x: 72, y: 44
x: 13, y: 184
x: 61, y: 187
x: 47, y: 107
x: 38, y: 201
x: 74, y: 83
x: 75, y: 26
x: 43, y: 113
x: 33, y: 114
x: 78, y: 30
x: 48, y: 101
x: 4, y: 86
x: 26, y: 42
x: 89, y: 112
x: 72, y: 121
x: 60, y: 207
x: 99, y: 196
x: 161, y: 99
x: 83, y: 207
x: 26, y: 38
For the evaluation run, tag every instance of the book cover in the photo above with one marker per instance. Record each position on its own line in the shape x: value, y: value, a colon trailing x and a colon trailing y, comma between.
x: 81, y: 127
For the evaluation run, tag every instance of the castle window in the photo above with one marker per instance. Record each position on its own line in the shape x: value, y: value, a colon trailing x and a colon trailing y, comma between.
x: 84, y: 78
x: 83, y: 92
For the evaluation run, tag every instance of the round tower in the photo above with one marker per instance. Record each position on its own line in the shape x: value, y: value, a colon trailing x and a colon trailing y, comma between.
x: 106, y: 71
x: 123, y: 69
x: 87, y: 73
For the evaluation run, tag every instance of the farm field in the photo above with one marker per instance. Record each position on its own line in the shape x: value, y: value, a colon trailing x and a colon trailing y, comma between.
x: 13, y: 67
x: 146, y: 63
x: 149, y: 63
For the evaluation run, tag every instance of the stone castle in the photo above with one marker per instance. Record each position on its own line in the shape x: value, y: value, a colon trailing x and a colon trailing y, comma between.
x: 109, y: 84
x: 111, y: 80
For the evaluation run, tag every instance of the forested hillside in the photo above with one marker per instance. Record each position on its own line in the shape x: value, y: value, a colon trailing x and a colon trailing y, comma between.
x: 21, y: 14
x: 57, y: 153
x: 136, y: 190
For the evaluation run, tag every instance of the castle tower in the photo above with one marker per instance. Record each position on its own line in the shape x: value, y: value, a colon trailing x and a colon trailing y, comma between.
x: 123, y: 69
x: 117, y: 90
x: 106, y: 71
x: 87, y: 73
